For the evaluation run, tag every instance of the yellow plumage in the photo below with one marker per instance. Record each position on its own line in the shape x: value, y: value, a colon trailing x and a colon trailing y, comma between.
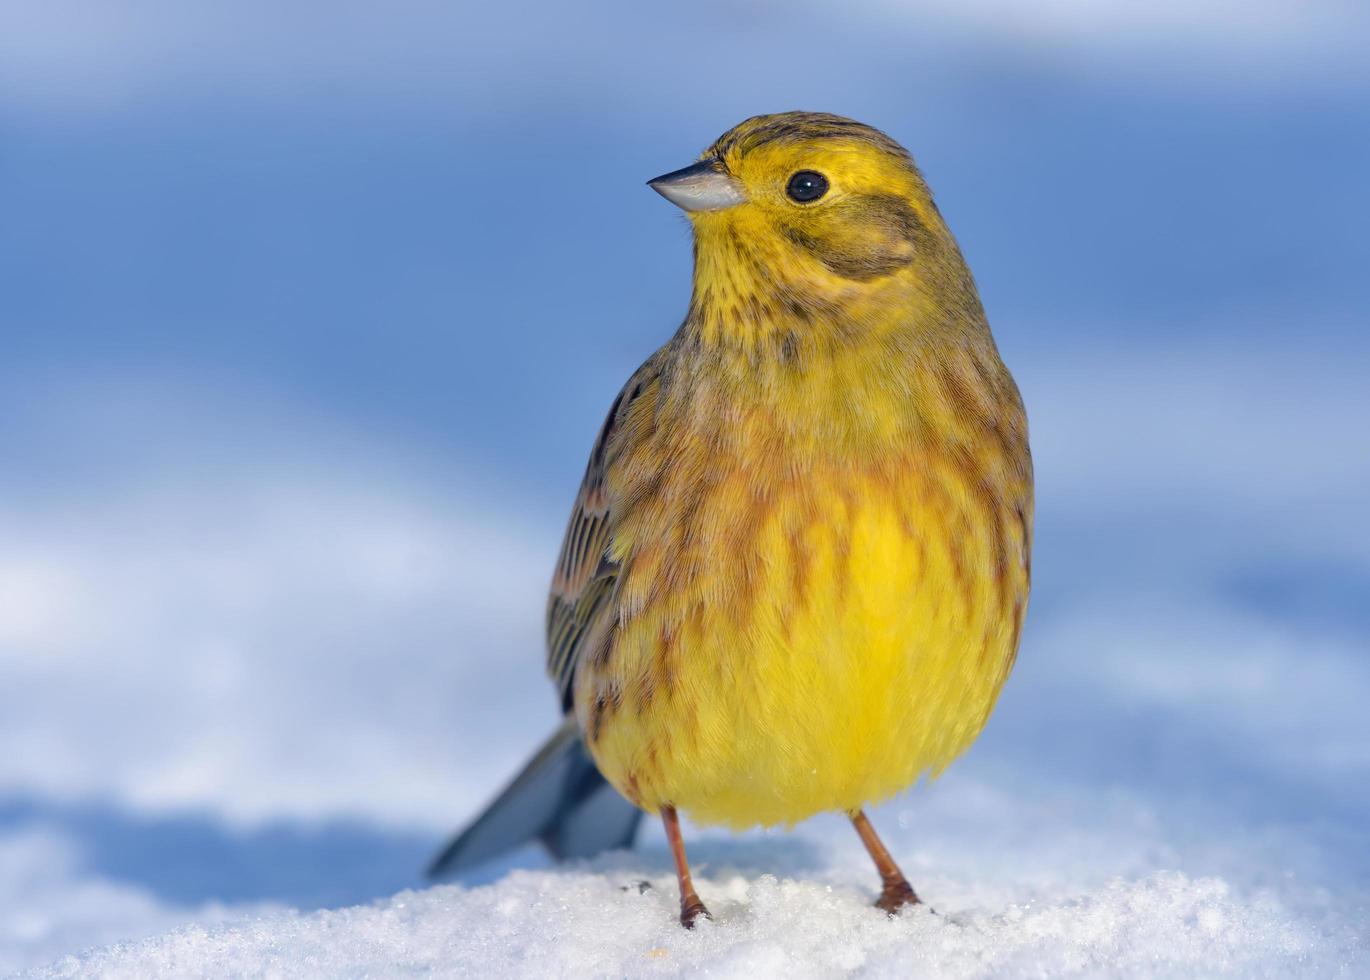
x: 796, y: 573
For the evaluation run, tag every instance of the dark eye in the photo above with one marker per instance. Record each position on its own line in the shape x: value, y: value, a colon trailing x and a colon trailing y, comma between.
x: 807, y: 186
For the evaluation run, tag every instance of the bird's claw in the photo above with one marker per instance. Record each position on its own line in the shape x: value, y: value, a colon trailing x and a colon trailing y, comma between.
x: 691, y: 909
x: 897, y: 895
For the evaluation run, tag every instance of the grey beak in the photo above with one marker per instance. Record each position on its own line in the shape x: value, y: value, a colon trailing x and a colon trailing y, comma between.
x: 703, y: 186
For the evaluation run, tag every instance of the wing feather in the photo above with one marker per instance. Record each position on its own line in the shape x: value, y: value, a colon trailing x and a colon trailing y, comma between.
x: 580, y: 607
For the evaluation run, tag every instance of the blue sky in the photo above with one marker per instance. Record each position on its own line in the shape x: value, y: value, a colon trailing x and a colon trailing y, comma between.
x: 424, y: 219
x: 311, y: 312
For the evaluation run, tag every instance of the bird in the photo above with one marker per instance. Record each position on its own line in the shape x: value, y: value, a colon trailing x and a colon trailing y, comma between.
x: 797, y: 568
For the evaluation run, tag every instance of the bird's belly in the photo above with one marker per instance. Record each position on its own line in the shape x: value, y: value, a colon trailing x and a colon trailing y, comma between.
x: 848, y: 643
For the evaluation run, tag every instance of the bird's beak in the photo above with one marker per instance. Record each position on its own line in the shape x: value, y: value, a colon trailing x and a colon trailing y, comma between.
x: 703, y: 186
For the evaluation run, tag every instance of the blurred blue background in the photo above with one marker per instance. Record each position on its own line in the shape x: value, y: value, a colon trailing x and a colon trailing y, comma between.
x: 309, y: 314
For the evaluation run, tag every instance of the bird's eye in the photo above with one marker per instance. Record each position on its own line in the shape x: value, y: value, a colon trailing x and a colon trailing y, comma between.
x: 807, y: 185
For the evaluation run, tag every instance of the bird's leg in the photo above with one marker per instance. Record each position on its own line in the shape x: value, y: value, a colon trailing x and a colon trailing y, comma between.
x: 896, y: 892
x: 691, y: 907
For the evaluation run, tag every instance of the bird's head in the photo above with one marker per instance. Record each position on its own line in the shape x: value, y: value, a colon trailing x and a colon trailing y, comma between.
x: 812, y: 216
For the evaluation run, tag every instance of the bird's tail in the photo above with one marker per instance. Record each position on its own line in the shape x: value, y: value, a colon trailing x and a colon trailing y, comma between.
x: 559, y: 798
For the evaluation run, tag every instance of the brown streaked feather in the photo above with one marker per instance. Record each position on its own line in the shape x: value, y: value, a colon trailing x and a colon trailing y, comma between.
x: 580, y: 607
x: 801, y: 127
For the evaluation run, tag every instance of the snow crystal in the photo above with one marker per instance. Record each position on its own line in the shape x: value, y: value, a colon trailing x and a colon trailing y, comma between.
x: 597, y: 923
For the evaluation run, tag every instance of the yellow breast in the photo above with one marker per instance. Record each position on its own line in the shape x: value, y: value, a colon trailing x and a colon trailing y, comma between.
x: 806, y: 633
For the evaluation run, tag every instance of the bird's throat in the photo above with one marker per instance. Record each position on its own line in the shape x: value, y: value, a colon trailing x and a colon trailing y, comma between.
x: 763, y: 298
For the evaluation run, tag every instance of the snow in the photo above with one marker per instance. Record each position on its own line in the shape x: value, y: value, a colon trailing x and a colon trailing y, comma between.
x: 801, y: 906
x: 763, y: 926
x: 243, y: 697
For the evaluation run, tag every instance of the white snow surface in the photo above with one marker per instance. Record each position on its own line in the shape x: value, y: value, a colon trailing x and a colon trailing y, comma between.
x: 587, y: 925
x: 244, y: 696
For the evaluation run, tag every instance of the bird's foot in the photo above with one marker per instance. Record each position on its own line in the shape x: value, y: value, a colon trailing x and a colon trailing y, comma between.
x: 897, y: 895
x: 691, y: 908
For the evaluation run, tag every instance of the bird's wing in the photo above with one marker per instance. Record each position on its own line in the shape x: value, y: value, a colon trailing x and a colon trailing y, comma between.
x: 580, y: 615
x: 560, y: 797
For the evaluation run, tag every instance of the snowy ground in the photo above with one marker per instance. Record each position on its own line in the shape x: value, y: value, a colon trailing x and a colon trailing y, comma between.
x: 245, y: 695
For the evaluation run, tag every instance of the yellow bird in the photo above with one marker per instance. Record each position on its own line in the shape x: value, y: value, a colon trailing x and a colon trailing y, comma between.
x: 797, y: 569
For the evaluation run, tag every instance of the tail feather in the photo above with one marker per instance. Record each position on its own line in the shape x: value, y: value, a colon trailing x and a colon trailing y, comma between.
x: 559, y: 798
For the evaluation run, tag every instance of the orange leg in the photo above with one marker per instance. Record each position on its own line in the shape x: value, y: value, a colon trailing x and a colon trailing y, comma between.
x: 691, y: 907
x: 897, y: 892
